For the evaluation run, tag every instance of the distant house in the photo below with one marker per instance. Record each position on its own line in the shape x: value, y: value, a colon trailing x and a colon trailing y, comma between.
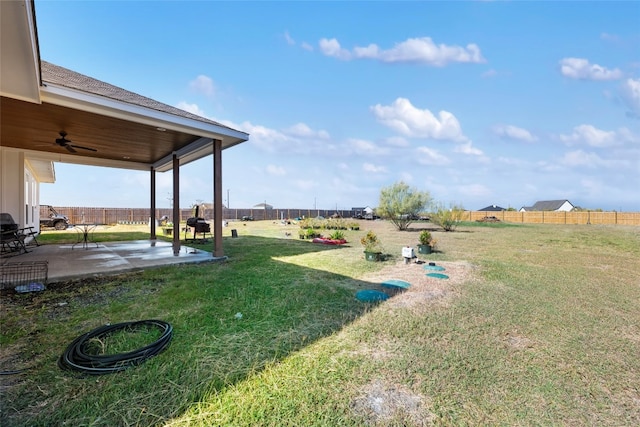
x: 363, y: 211
x: 549, y: 205
x: 492, y: 208
x: 262, y: 206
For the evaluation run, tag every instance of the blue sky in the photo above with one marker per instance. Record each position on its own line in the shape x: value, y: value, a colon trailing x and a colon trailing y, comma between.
x: 477, y: 103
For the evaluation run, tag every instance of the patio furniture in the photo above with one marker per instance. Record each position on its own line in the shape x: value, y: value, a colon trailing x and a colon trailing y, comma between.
x: 83, y: 235
x: 12, y: 237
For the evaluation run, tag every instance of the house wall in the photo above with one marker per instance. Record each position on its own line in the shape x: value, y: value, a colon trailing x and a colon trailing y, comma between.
x: 566, y: 207
x: 12, y: 184
x: 19, y: 189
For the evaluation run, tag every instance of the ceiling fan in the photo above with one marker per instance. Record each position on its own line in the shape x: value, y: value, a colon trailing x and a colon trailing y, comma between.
x: 64, y: 142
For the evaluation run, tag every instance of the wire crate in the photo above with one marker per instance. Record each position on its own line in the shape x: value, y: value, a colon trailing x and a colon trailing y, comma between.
x: 24, y: 274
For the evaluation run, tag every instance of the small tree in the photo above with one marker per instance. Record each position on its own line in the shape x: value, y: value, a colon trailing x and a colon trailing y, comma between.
x: 401, y: 204
x: 447, y: 218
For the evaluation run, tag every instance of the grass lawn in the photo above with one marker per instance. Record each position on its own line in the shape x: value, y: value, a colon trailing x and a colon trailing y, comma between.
x: 536, y: 325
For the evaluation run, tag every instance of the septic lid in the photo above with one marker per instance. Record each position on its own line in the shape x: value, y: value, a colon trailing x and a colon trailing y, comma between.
x: 369, y: 295
x: 438, y: 275
x: 434, y: 267
x: 395, y: 283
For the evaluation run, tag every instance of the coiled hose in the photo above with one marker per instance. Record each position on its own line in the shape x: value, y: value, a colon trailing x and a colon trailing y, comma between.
x: 75, y: 357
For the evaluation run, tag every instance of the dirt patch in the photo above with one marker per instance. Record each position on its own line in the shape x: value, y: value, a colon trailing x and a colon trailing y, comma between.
x: 424, y: 289
x: 517, y: 341
x: 383, y: 404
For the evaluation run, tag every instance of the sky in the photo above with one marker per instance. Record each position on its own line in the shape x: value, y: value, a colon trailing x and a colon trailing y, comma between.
x: 477, y: 103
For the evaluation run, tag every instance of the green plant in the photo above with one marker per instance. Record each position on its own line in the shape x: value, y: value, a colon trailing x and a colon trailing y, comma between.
x: 401, y: 204
x: 370, y: 242
x: 425, y: 238
x: 337, y: 235
x: 310, y: 233
x: 449, y: 218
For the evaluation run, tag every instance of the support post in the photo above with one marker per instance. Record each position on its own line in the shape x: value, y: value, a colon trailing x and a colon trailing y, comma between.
x: 218, y: 250
x: 176, y: 205
x: 152, y: 213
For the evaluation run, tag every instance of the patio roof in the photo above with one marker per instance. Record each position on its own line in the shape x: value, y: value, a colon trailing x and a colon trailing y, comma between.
x: 128, y: 130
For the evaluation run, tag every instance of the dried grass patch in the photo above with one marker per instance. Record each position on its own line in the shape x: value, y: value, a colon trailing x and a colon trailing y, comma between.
x: 425, y: 290
x: 383, y: 403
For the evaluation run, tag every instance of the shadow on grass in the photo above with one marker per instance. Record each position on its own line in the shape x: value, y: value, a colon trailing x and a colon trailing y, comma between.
x: 230, y: 321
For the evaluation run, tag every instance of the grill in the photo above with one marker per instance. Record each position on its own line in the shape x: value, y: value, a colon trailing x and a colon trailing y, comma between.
x: 198, y: 225
x: 7, y: 223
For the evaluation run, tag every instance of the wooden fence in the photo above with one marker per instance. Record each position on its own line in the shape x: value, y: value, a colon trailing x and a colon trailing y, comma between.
x: 79, y: 215
x: 111, y: 216
x: 544, y: 217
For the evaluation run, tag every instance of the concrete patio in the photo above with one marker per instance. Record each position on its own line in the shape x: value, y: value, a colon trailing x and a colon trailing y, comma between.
x: 66, y: 262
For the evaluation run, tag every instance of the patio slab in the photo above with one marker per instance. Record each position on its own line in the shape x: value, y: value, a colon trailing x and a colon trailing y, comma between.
x: 66, y: 262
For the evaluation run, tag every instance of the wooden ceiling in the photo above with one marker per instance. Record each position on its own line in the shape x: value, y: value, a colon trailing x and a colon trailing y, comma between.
x: 35, y: 127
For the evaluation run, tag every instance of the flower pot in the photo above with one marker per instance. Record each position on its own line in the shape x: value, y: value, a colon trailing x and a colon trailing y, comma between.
x: 424, y: 249
x: 372, y: 256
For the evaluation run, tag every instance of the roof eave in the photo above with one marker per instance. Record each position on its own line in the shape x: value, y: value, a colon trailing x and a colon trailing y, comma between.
x: 19, y: 52
x: 71, y: 98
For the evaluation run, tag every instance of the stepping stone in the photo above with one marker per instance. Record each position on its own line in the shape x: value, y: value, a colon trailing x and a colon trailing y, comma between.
x: 438, y: 275
x: 395, y: 283
x: 371, y: 295
x: 434, y: 267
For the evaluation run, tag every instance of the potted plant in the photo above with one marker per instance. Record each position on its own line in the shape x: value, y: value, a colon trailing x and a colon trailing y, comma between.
x: 371, y: 246
x: 426, y: 242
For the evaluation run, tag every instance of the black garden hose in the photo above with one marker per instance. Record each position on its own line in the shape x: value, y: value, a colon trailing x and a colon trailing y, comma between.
x: 75, y: 357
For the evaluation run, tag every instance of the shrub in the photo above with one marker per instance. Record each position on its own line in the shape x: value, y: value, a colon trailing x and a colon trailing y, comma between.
x: 337, y: 235
x: 448, y: 219
x: 425, y: 238
x: 370, y: 242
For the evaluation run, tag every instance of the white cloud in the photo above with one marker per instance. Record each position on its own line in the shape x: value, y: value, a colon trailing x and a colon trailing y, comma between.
x: 582, y: 158
x: 579, y: 68
x: 630, y: 91
x: 467, y: 148
x: 297, y: 139
x: 362, y: 146
x: 276, y: 170
x: 410, y: 121
x: 202, y: 84
x: 303, y: 131
x: 371, y: 168
x: 332, y: 48
x: 267, y: 139
x: 288, y: 38
x: 490, y: 73
x: 406, y: 177
x: 428, y: 156
x: 306, y: 46
x: 590, y: 135
x: 609, y: 37
x: 191, y: 108
x: 414, y: 50
x: 397, y: 141
x: 513, y: 132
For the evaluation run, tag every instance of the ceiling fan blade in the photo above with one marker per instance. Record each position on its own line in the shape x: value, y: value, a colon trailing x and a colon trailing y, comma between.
x: 70, y: 148
x: 81, y: 147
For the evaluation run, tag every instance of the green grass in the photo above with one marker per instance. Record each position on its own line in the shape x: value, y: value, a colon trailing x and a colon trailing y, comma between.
x: 544, y: 331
